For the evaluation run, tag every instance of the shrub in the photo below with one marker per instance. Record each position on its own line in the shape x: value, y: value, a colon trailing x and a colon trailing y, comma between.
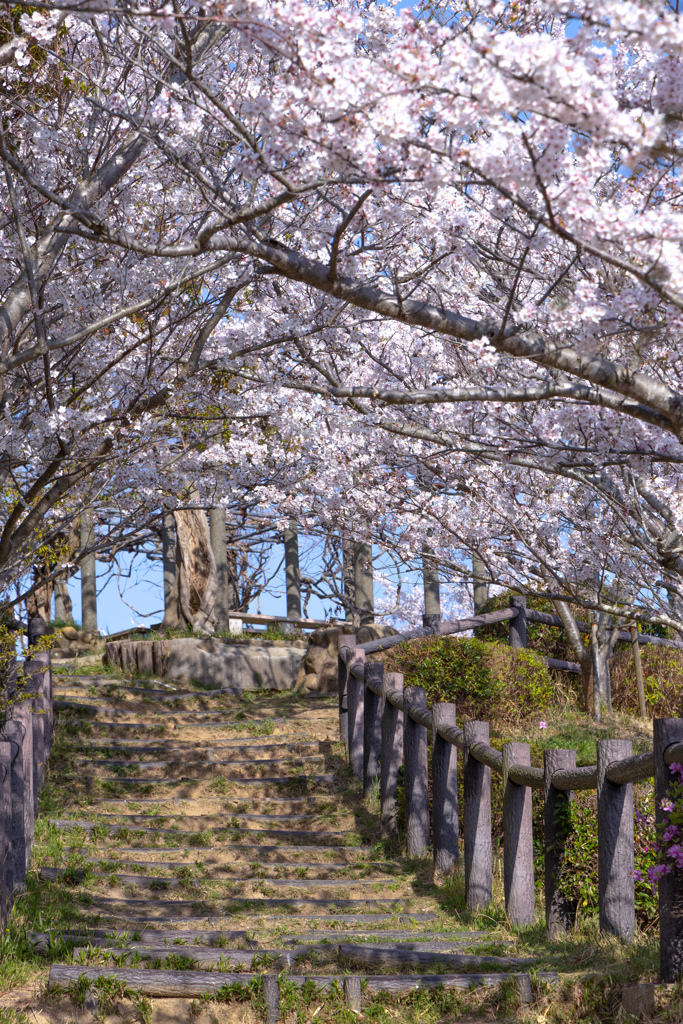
x: 484, y: 679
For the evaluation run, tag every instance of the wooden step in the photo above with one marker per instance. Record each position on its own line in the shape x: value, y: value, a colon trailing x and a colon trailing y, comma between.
x: 171, y: 882
x: 189, y: 984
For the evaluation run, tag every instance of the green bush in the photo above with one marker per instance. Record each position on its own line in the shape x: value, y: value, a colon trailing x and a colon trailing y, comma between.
x: 483, y: 679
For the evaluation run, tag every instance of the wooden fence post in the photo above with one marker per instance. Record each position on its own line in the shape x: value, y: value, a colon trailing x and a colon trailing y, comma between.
x: 560, y: 913
x: 416, y: 774
x: 271, y: 997
x: 670, y: 887
x: 356, y: 701
x: 392, y: 753
x: 13, y: 733
x: 347, y: 641
x: 6, y: 865
x: 477, y: 821
x: 372, y: 725
x: 352, y: 993
x: 517, y: 625
x: 444, y: 792
x: 432, y: 621
x: 518, y: 843
x: 616, y: 893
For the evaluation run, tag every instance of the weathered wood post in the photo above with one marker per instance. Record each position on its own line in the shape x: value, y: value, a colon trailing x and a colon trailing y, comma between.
x: 13, y: 734
x: 616, y: 894
x: 372, y: 724
x: 477, y: 848
x: 6, y: 865
x: 271, y: 997
x: 444, y: 792
x: 560, y: 913
x: 392, y: 753
x: 355, y: 686
x: 670, y: 887
x: 34, y: 671
x: 352, y: 993
x: 517, y: 625
x: 23, y: 713
x: 518, y: 843
x: 347, y: 641
x: 416, y: 775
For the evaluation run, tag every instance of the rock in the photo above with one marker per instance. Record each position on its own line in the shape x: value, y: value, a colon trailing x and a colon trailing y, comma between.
x: 70, y: 633
x: 318, y: 669
x: 638, y: 999
x: 314, y: 659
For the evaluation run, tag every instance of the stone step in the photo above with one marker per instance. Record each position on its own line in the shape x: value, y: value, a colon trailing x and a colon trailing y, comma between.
x: 437, y: 939
x: 265, y: 851
x: 169, y: 865
x: 88, y: 826
x: 266, y: 922
x: 173, y: 744
x: 293, y: 761
x: 43, y: 940
x: 127, y: 763
x: 189, y: 725
x: 67, y: 705
x: 248, y: 904
x: 170, y: 882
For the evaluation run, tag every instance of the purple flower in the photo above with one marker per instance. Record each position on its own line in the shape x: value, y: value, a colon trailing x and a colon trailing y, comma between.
x: 670, y: 833
x: 676, y: 767
x: 666, y: 804
x: 636, y: 874
x: 542, y: 725
x: 676, y: 853
x: 655, y: 873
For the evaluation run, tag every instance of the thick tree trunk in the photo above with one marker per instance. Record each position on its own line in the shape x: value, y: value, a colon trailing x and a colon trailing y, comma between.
x: 173, y: 618
x: 363, y: 581
x: 88, y: 575
x: 348, y: 578
x: 63, y: 605
x: 292, y: 574
x: 196, y: 569
x: 430, y: 580
x: 480, y: 585
x: 220, y: 554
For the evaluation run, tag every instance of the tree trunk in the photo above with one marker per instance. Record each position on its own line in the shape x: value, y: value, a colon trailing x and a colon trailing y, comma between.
x: 480, y: 584
x: 88, y: 575
x: 173, y: 618
x: 348, y: 578
x: 220, y: 554
x: 196, y: 569
x: 581, y: 653
x: 363, y: 581
x: 292, y: 574
x: 63, y: 606
x: 430, y: 579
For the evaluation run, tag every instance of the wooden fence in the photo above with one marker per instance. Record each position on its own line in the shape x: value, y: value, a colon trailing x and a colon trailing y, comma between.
x: 386, y: 725
x: 25, y: 742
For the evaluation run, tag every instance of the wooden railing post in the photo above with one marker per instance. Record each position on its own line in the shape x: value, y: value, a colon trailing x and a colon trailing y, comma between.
x: 560, y: 913
x: 355, y: 687
x: 391, y: 757
x: 518, y: 843
x: 6, y: 865
x: 372, y: 725
x: 670, y: 887
x: 616, y: 893
x: 416, y: 775
x: 444, y: 792
x: 518, y: 624
x: 13, y: 733
x: 346, y: 641
x: 477, y: 847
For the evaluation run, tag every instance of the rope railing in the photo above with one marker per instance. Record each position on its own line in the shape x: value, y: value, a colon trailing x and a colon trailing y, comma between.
x: 385, y: 726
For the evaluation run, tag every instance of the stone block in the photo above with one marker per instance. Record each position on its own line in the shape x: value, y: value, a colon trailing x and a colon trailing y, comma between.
x: 638, y: 1000
x: 225, y: 666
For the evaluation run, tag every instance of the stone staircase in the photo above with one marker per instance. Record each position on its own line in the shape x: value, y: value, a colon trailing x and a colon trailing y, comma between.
x: 207, y: 846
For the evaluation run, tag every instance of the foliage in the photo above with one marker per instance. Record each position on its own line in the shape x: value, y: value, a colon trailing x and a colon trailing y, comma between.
x: 578, y: 874
x: 662, y: 679
x: 483, y: 679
